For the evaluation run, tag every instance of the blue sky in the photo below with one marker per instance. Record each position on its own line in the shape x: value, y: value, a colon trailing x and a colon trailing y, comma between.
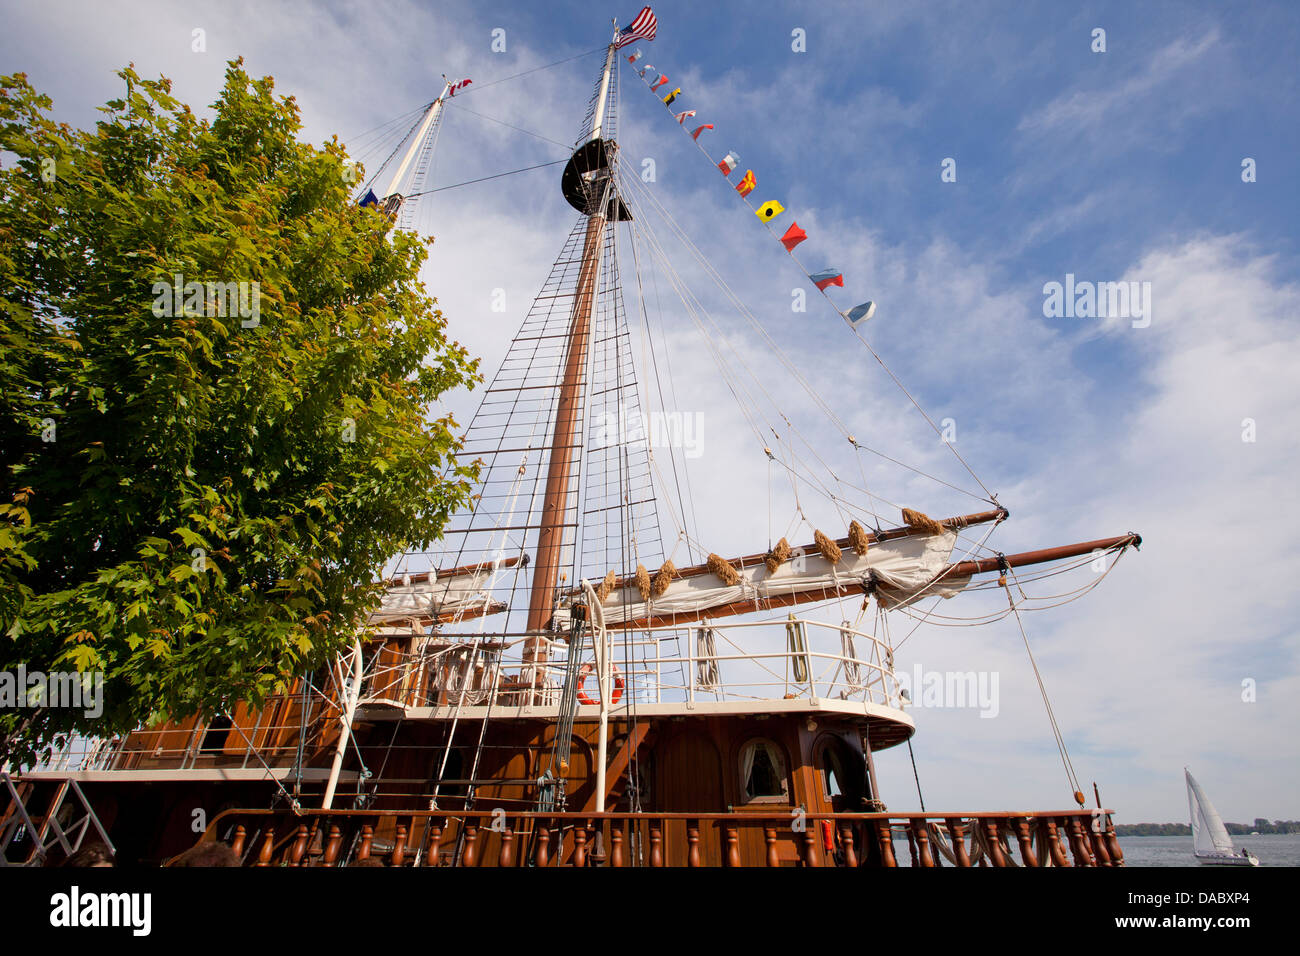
x: 1117, y: 165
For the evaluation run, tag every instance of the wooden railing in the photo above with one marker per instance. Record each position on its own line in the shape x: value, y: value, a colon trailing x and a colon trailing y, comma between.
x: 512, y: 838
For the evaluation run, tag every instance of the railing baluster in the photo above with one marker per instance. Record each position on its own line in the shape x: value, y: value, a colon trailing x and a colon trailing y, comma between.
x: 769, y: 837
x: 616, y: 843
x: 886, y: 839
x: 268, y: 845
x: 1052, y: 840
x: 993, y: 842
x: 237, y: 844
x: 656, y: 843
x: 847, y: 837
x: 693, y: 843
x: 333, y: 845
x: 542, y: 856
x: 579, y: 846
x: 1026, y: 844
x: 507, y: 855
x: 957, y: 832
x: 732, y: 856
x: 810, y: 847
x: 470, y: 857
x: 1112, y: 840
x: 922, y: 836
x: 298, y: 849
x: 1097, y: 841
x: 367, y: 837
x: 433, y: 846
x: 398, y: 857
x: 1077, y: 844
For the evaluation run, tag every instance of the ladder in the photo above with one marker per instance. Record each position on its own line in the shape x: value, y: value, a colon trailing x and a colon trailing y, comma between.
x: 44, y: 832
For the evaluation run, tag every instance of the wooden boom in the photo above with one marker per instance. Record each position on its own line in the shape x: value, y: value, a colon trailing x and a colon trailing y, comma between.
x: 959, y: 570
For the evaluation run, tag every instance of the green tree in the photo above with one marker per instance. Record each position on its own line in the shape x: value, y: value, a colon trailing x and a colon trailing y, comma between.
x: 197, y: 492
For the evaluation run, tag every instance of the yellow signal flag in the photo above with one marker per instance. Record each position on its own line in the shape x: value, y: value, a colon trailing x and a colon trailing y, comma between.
x: 746, y: 185
x: 668, y: 100
x: 769, y: 210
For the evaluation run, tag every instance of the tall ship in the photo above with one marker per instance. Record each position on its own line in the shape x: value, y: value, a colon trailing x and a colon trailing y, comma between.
x: 578, y: 675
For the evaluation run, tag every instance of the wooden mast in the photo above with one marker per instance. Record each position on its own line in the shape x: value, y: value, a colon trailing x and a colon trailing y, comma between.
x: 566, y: 441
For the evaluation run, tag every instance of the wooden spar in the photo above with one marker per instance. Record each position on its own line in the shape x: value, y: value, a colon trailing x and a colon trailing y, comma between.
x: 564, y: 442
x: 965, y: 568
x: 398, y: 580
x: 874, y: 537
x: 959, y: 570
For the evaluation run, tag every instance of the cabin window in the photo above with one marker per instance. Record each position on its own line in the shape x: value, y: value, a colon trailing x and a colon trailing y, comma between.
x: 762, y: 772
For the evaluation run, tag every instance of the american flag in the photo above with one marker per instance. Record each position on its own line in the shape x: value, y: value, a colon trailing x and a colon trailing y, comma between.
x: 642, y: 28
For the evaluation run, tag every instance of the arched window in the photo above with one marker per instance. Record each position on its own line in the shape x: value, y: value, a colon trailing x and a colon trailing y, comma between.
x: 762, y: 772
x: 839, y: 771
x: 831, y: 769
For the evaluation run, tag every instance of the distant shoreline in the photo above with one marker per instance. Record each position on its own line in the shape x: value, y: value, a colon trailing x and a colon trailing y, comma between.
x: 1258, y: 828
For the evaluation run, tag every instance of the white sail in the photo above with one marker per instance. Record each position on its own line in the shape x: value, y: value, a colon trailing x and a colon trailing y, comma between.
x: 1208, y: 832
x: 905, y: 570
x: 428, y: 595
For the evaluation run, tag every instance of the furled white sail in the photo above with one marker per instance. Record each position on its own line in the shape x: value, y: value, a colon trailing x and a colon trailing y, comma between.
x: 428, y: 595
x: 904, y: 570
x: 1208, y: 832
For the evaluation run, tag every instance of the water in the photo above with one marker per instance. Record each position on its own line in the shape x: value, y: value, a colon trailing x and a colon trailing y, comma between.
x: 1273, y: 849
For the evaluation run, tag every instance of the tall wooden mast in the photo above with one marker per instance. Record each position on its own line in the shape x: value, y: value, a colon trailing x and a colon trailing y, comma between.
x: 586, y: 182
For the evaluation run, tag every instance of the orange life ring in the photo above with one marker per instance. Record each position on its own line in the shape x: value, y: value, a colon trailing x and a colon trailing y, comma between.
x: 582, y: 679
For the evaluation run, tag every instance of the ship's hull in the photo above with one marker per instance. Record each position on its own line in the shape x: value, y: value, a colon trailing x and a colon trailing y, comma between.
x: 1216, y: 859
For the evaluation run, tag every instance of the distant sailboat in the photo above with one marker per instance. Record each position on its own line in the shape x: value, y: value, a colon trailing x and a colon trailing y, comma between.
x: 1210, y: 840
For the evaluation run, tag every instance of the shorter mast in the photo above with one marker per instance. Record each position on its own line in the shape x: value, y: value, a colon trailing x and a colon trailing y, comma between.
x: 392, y: 199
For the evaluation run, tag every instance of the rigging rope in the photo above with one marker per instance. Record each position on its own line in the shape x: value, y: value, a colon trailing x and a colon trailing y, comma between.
x: 475, y: 87
x: 519, y: 129
x: 483, y: 179
x: 1042, y: 688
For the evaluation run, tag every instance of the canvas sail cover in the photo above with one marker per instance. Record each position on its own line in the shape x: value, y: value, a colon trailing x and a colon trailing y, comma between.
x: 904, y: 568
x: 1208, y: 832
x: 446, y: 597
